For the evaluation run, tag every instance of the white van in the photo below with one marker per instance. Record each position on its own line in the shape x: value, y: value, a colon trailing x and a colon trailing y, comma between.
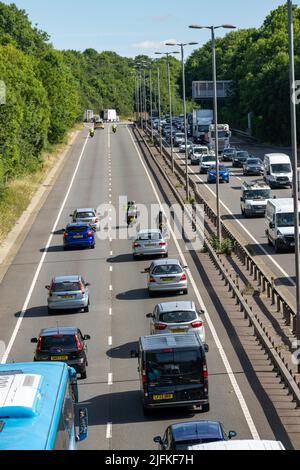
x: 280, y: 228
x: 239, y: 445
x: 278, y: 170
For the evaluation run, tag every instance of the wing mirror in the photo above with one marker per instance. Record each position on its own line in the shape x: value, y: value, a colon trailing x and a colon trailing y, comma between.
x: 232, y: 434
x: 146, y: 271
x: 87, y: 284
x: 83, y: 425
x: 271, y: 225
x: 34, y: 340
x: 149, y: 315
x: 86, y: 337
x: 47, y: 287
x: 206, y: 348
x: 134, y: 354
x: 157, y: 440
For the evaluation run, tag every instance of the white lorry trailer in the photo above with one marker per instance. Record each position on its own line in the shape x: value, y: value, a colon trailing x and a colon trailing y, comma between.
x: 224, y: 135
x: 110, y: 115
x: 202, y: 119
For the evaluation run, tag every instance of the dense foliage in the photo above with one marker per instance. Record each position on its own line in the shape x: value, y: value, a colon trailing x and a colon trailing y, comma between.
x: 48, y: 90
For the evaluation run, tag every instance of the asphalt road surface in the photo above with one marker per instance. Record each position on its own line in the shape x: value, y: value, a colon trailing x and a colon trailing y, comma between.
x: 97, y: 172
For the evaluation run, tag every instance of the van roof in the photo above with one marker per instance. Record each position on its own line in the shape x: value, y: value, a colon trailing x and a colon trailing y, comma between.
x: 282, y: 204
x: 178, y: 341
x: 277, y: 157
x: 240, y: 445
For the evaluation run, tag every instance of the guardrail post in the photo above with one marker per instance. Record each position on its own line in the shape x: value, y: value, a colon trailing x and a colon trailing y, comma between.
x: 278, y: 303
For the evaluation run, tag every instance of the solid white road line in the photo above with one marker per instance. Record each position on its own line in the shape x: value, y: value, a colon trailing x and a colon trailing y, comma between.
x: 110, y: 288
x: 40, y: 265
x: 225, y: 360
x: 109, y: 340
x: 110, y: 312
x: 111, y: 268
x: 270, y: 257
x: 110, y: 379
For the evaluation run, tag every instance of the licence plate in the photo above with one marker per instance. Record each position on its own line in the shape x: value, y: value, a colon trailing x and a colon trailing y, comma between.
x: 167, y: 396
x: 68, y: 297
x: 178, y: 331
x: 150, y: 245
x: 168, y: 279
x: 78, y: 236
x: 59, y: 358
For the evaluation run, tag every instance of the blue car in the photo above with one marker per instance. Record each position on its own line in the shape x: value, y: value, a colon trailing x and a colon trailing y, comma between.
x: 223, y: 174
x: 79, y: 235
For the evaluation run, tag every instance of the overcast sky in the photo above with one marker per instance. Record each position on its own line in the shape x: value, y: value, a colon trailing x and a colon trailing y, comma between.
x: 132, y: 27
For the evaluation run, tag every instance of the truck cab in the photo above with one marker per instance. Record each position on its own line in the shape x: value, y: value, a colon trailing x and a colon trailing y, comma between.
x: 254, y: 198
x: 224, y: 135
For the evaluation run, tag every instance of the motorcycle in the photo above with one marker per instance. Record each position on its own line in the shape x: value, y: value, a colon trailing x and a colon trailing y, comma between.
x: 92, y: 134
x: 114, y: 130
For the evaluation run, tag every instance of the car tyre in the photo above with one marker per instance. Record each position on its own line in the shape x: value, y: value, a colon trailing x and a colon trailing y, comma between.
x: 185, y: 292
x: 151, y: 294
x: 87, y: 308
x: 83, y: 375
x: 93, y: 247
x: 146, y: 412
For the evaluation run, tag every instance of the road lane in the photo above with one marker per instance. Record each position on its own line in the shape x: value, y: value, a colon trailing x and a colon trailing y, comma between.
x: 117, y: 317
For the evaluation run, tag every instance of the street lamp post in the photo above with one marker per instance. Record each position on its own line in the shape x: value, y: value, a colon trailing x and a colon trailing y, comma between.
x: 151, y: 102
x: 159, y: 107
x: 295, y: 164
x: 213, y: 42
x: 170, y: 101
x: 181, y: 45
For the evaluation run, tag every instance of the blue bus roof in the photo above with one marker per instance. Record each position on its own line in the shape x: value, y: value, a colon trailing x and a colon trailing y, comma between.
x: 31, y: 397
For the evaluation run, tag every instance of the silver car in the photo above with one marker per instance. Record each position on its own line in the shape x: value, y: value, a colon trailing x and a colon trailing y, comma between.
x: 150, y: 242
x: 182, y: 146
x: 167, y: 276
x: 177, y: 317
x: 87, y: 215
x: 68, y: 293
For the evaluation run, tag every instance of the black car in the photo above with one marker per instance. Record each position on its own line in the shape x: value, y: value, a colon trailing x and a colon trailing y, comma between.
x: 240, y: 157
x: 182, y: 435
x: 63, y: 344
x: 228, y: 154
x: 253, y: 166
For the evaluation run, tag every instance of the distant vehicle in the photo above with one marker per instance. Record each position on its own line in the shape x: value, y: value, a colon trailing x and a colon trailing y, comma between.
x: 206, y: 161
x: 110, y: 115
x: 167, y: 276
x: 196, y: 152
x: 224, y: 135
x: 79, y: 235
x: 89, y: 216
x: 280, y: 224
x: 63, y: 344
x: 254, y: 198
x: 177, y: 317
x: 182, y: 146
x: 68, y: 293
x: 202, y: 119
x: 35, y: 399
x: 278, y: 170
x: 253, y: 166
x: 99, y: 125
x: 173, y: 371
x: 89, y: 115
x: 181, y: 436
x: 228, y: 154
x: 179, y: 138
x: 224, y: 175
x: 240, y: 158
x: 239, y: 445
x: 150, y: 243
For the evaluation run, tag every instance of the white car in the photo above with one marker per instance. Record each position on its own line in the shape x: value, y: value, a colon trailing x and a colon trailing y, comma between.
x: 177, y: 317
x: 89, y: 216
x: 149, y: 243
x: 206, y: 161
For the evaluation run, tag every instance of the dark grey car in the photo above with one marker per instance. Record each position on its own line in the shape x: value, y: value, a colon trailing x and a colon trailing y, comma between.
x: 253, y: 166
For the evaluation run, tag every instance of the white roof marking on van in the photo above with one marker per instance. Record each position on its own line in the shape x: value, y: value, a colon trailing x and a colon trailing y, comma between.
x: 278, y: 158
x: 240, y: 445
x: 18, y: 394
x: 282, y: 205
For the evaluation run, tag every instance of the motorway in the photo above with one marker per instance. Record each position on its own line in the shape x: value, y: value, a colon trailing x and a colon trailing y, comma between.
x: 97, y: 172
x: 251, y: 231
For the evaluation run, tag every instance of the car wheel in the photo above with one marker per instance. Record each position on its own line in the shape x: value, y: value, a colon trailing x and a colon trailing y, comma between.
x: 278, y: 248
x: 93, y: 247
x: 185, y: 292
x: 83, y: 375
x: 87, y: 308
x: 205, y: 408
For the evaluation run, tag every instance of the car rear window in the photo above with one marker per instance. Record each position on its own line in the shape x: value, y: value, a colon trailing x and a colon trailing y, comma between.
x: 85, y: 215
x: 208, y: 159
x: 81, y: 228
x: 176, y: 367
x: 242, y: 154
x: 66, y: 287
x: 177, y: 317
x: 150, y: 236
x: 51, y: 343
x: 167, y: 269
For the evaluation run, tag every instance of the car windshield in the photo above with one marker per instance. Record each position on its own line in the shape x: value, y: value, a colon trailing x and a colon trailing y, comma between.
x: 208, y: 159
x: 177, y: 317
x: 179, y: 136
x: 221, y: 134
x: 66, y: 287
x: 258, y: 194
x: 174, y: 367
x: 221, y: 168
x: 200, y: 150
x: 203, y: 128
x: 242, y: 155
x: 285, y: 220
x: 281, y: 168
x: 150, y: 236
x: 253, y: 161
x: 167, y: 269
x: 81, y: 228
x: 52, y: 343
x: 85, y: 215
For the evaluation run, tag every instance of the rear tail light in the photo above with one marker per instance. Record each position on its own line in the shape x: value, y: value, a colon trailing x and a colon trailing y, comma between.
x: 90, y: 233
x: 96, y: 220
x: 78, y: 344
x: 66, y: 234
x: 136, y: 245
x: 205, y: 372
x: 82, y: 288
x: 39, y: 345
x: 162, y: 244
x: 183, y: 277
x: 160, y: 326
x: 151, y: 279
x: 197, y: 324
